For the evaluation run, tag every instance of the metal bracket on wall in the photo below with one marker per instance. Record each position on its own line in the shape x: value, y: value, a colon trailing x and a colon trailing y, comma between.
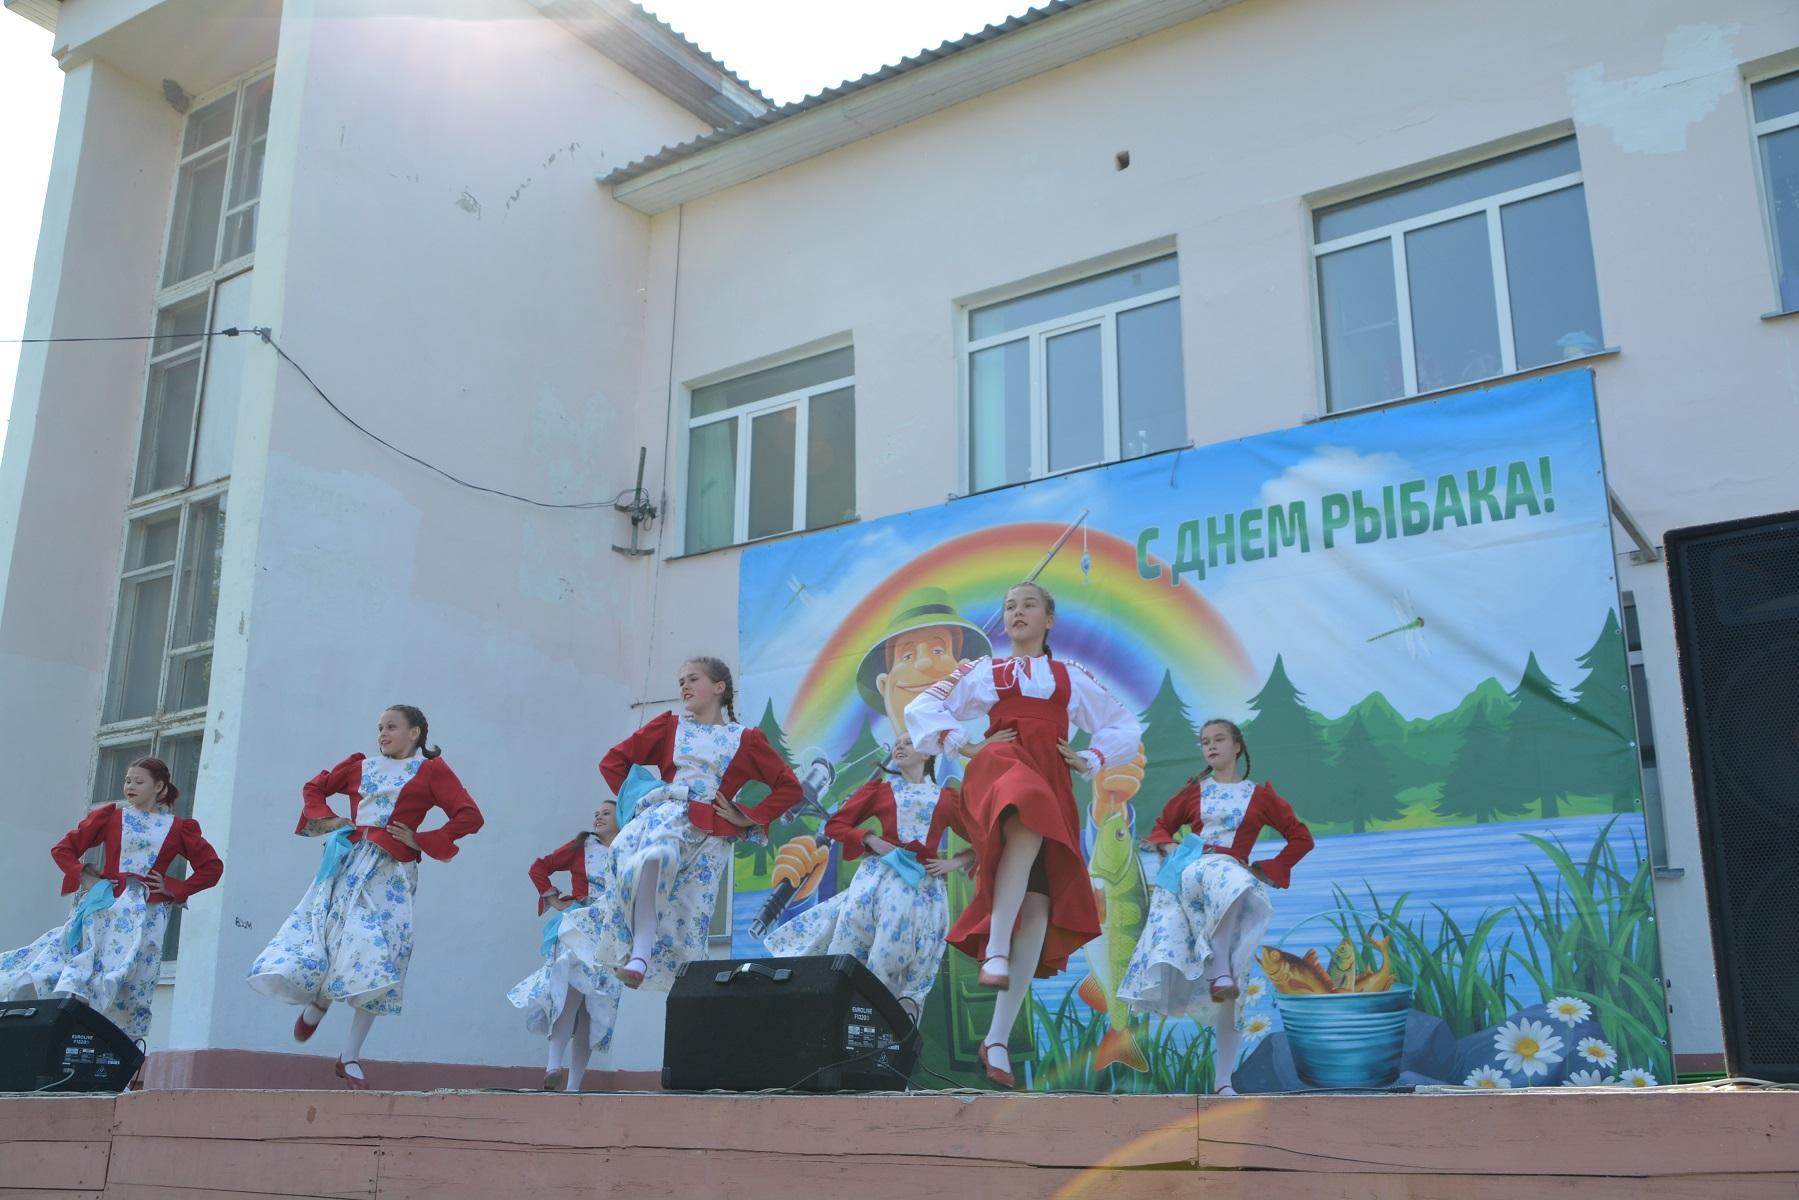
x: 639, y: 507
x: 1646, y: 551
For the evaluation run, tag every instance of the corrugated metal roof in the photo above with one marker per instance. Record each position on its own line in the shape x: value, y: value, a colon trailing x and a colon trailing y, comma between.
x: 924, y: 58
x: 697, y: 49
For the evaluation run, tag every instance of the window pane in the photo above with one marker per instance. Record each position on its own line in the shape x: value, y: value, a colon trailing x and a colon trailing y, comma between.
x: 1639, y: 688
x: 240, y: 233
x: 198, y: 601
x: 1477, y: 182
x: 1549, y: 271
x: 1361, y: 326
x: 143, y: 623
x: 1077, y: 432
x: 109, y: 771
x: 1780, y: 167
x: 999, y: 418
x: 712, y: 486
x: 831, y: 458
x: 1455, y: 321
x: 224, y: 380
x: 180, y: 324
x: 252, y: 134
x: 1152, y: 405
x: 208, y: 125
x: 168, y: 425
x: 152, y: 541
x: 1776, y: 97
x: 771, y: 472
x: 1079, y: 296
x: 194, y: 233
x: 775, y: 381
x: 182, y: 753
x: 1633, y: 636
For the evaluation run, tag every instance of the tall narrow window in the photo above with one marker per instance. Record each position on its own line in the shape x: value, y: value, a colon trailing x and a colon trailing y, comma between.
x: 1084, y: 373
x: 1653, y: 821
x: 772, y: 451
x: 1775, y: 103
x: 159, y: 671
x: 1461, y: 277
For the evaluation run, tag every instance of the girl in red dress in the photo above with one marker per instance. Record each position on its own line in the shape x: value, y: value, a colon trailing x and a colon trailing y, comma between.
x: 1033, y: 903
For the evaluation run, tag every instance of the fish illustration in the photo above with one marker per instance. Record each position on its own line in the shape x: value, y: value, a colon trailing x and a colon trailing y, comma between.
x: 1123, y: 892
x: 1381, y: 978
x: 1294, y: 976
x: 1342, y: 968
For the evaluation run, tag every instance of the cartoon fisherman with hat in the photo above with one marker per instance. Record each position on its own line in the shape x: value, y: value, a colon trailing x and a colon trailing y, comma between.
x: 926, y: 640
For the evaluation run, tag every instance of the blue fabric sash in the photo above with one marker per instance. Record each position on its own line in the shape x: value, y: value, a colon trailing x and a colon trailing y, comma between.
x: 96, y: 899
x: 552, y: 931
x: 905, y: 864
x: 337, y: 848
x: 639, y: 781
x: 1169, y: 877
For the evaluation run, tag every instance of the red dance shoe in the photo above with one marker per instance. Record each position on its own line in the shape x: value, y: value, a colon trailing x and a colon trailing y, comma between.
x: 1003, y: 1078
x: 353, y: 1082
x: 303, y: 1031
x: 999, y: 981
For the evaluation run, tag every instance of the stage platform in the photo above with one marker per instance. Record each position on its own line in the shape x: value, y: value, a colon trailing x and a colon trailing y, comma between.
x: 208, y: 1145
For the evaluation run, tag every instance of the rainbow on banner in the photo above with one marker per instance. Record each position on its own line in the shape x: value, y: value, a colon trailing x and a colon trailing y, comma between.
x: 1125, y: 630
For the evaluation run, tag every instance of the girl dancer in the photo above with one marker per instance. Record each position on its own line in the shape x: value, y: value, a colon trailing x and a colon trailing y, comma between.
x: 573, y: 995
x: 1209, y: 907
x: 663, y: 875
x: 109, y: 951
x: 350, y: 937
x: 896, y: 912
x: 1033, y: 903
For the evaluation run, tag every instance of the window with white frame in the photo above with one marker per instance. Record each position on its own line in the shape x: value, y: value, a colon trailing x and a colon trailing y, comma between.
x: 1464, y: 276
x: 159, y: 669
x: 1084, y: 373
x: 1653, y: 821
x: 772, y: 451
x: 1775, y: 105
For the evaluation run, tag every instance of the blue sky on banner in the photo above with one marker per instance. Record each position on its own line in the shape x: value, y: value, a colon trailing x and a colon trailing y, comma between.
x: 1490, y: 594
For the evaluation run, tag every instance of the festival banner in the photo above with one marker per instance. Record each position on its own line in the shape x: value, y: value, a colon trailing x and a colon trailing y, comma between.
x: 1412, y: 613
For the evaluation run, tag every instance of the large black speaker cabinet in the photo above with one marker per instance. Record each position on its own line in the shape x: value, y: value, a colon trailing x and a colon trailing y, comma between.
x: 1736, y: 620
x: 821, y: 1023
x: 63, y: 1046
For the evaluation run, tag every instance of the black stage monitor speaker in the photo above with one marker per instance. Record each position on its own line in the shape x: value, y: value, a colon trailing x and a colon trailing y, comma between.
x: 1736, y: 619
x: 821, y: 1023
x: 63, y: 1046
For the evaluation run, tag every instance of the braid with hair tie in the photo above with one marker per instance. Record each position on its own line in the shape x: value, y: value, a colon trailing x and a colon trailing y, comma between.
x: 415, y: 718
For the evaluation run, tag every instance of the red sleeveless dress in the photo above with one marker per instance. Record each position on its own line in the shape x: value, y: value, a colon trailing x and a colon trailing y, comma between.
x: 1029, y: 776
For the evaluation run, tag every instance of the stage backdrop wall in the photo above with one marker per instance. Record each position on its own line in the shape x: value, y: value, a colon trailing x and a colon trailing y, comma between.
x: 1413, y: 615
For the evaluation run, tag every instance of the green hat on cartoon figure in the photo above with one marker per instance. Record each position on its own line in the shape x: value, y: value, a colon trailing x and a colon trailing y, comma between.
x: 925, y: 640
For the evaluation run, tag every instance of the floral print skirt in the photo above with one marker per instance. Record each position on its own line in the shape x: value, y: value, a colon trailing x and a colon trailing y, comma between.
x: 349, y: 940
x: 890, y: 927
x: 691, y: 864
x: 575, y: 965
x: 1175, y: 962
x: 112, y: 969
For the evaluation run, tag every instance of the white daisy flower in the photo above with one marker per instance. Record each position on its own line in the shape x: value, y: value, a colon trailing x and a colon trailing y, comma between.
x: 1570, y: 1010
x: 1587, y: 1079
x: 1257, y: 1025
x: 1596, y: 1052
x: 1527, y: 1047
x: 1486, y: 1077
x: 1636, y: 1077
x: 1254, y: 990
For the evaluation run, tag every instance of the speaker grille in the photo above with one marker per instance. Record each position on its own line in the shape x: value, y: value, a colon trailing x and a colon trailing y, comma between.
x: 1736, y: 593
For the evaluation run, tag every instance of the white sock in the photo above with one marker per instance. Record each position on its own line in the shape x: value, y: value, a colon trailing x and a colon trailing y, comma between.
x: 359, y: 1032
x: 312, y: 1014
x: 1224, y: 1058
x: 1010, y: 879
x: 563, y: 1027
x: 581, y: 1049
x: 1033, y: 926
x: 643, y: 912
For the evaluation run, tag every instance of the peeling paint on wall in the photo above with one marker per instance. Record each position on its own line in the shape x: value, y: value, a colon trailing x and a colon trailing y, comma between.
x: 1650, y: 114
x: 468, y: 204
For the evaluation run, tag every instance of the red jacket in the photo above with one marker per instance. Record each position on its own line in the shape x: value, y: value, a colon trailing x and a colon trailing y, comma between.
x: 653, y: 746
x: 102, y: 826
x: 435, y: 786
x: 1265, y: 808
x: 875, y: 800
x: 571, y: 856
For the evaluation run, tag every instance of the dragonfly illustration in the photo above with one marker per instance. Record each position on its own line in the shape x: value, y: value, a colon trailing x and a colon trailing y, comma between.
x: 1411, y: 625
x: 799, y: 590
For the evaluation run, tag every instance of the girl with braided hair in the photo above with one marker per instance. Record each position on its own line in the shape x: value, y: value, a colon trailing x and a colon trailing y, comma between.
x: 676, y: 779
x: 350, y: 937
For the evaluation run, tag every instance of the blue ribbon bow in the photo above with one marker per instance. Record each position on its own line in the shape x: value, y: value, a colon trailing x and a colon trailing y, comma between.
x: 97, y: 899
x: 639, y: 781
x: 1169, y: 877
x: 552, y: 930
x: 905, y: 864
x: 337, y: 848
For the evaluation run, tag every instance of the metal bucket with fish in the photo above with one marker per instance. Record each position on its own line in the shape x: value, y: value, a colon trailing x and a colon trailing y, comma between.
x: 1345, y: 1029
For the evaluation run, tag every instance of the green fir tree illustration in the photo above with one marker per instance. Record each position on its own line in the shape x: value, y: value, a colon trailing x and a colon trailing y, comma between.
x: 1170, y: 750
x: 1482, y: 786
x: 1545, y: 739
x: 1287, y: 744
x: 1364, y: 784
x: 1607, y: 762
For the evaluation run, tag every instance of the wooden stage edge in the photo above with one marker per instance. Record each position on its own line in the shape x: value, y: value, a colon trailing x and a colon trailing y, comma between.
x: 210, y: 1144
